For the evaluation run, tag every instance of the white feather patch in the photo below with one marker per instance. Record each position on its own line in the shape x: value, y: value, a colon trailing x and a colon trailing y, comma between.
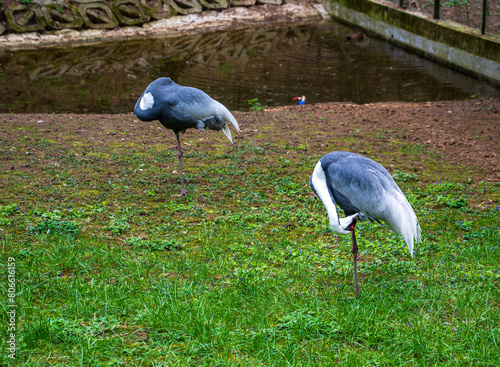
x: 147, y: 101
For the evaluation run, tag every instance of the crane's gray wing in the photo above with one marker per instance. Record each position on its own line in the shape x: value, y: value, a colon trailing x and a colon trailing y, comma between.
x: 201, y: 106
x: 371, y: 188
x: 179, y: 108
x: 366, y: 184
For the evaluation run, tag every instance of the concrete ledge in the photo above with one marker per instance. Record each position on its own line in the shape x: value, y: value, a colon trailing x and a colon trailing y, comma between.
x: 448, y: 42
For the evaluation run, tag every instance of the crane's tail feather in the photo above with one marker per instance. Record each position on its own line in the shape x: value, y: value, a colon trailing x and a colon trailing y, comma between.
x: 411, y: 231
x: 229, y: 117
x: 234, y: 122
x: 226, y: 115
x: 216, y: 123
x: 227, y: 132
x: 404, y: 221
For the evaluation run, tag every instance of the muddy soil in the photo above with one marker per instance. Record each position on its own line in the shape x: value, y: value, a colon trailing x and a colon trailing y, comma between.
x: 464, y: 133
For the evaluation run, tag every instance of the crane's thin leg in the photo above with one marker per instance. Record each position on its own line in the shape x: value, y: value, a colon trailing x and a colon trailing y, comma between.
x: 355, y: 258
x: 179, y: 154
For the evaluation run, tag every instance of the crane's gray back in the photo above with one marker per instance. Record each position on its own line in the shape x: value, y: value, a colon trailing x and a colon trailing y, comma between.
x: 370, y: 188
x: 358, y: 182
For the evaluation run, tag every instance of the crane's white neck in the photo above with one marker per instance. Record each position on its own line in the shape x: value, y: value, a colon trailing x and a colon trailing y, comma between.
x: 318, y: 181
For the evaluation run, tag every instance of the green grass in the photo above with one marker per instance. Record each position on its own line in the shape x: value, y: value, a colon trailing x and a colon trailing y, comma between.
x: 112, y: 269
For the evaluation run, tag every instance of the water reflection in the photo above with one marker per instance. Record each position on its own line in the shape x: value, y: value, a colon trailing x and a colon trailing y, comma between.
x: 273, y: 64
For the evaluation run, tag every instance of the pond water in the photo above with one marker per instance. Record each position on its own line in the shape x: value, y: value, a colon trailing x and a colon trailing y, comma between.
x: 271, y: 63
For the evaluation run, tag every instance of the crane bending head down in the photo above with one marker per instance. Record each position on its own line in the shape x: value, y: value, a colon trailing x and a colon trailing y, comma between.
x: 179, y: 108
x: 364, y: 190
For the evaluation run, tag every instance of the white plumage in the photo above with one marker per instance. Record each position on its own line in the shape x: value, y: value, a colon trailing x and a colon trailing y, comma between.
x: 147, y: 101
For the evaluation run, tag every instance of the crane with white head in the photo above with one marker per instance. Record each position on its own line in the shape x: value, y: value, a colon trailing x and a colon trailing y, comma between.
x: 364, y: 190
x: 179, y: 108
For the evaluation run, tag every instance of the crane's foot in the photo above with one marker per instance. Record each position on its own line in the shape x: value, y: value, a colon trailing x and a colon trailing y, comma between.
x: 183, y: 193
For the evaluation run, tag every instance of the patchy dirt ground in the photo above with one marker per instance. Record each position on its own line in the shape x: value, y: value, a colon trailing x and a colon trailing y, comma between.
x: 463, y: 133
x: 466, y: 132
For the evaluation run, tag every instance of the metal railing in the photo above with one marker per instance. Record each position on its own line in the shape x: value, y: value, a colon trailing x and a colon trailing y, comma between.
x: 479, y: 14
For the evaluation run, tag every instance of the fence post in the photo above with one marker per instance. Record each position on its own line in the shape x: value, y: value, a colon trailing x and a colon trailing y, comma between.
x: 436, y: 9
x: 485, y: 9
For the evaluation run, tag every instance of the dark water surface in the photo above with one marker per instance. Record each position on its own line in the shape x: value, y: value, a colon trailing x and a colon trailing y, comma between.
x: 271, y: 63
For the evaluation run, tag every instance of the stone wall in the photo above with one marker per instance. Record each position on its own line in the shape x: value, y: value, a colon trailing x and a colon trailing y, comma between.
x: 56, y: 15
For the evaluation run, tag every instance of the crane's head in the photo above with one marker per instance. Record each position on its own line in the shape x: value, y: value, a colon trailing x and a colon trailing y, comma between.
x: 348, y: 224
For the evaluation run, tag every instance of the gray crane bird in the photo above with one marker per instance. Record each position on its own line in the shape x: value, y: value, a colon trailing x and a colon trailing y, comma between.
x: 364, y: 190
x: 179, y: 108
